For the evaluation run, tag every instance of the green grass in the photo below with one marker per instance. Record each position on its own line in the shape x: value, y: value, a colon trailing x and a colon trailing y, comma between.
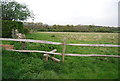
x: 32, y: 66
x: 72, y: 37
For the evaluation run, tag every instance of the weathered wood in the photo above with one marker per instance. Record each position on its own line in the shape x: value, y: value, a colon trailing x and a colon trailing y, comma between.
x: 36, y: 51
x: 85, y: 55
x: 7, y: 46
x: 23, y: 45
x: 63, y: 51
x: 95, y: 45
x: 53, y: 58
x: 58, y: 43
x: 53, y: 51
x: 29, y: 40
x: 92, y: 55
x: 46, y: 55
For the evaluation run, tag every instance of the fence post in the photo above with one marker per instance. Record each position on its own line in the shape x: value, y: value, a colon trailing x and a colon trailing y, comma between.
x: 23, y: 43
x: 63, y: 51
x: 46, y: 57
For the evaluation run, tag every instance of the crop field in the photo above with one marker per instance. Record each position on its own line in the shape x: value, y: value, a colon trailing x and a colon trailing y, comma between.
x: 32, y: 65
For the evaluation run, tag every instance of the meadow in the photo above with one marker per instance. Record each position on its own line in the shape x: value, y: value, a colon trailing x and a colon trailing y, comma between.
x: 32, y: 66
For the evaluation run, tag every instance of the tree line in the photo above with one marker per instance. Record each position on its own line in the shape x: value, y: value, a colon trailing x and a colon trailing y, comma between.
x: 69, y: 28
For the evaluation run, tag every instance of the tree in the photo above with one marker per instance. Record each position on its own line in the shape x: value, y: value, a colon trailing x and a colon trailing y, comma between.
x: 12, y: 10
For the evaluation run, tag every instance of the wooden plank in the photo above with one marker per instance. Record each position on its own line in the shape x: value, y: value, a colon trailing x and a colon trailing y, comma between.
x: 29, y: 40
x: 7, y: 46
x: 95, y: 45
x: 53, y: 58
x: 58, y: 43
x: 54, y: 50
x: 36, y: 51
x: 92, y: 55
x: 85, y: 55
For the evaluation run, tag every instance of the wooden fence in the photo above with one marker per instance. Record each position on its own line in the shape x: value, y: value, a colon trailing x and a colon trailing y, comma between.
x: 64, y: 48
x: 58, y: 43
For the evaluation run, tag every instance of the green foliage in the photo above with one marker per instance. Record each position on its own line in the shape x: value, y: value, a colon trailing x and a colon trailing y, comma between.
x: 12, y: 10
x: 70, y: 28
x: 26, y: 30
x: 8, y: 25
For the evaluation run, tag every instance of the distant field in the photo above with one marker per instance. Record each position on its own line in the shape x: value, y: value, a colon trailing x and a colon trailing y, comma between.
x: 32, y: 66
x: 76, y: 37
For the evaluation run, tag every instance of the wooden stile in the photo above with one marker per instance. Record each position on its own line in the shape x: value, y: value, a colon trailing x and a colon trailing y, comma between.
x: 47, y: 55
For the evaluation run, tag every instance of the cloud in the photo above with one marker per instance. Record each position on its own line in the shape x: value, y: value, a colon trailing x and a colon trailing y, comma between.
x: 101, y: 12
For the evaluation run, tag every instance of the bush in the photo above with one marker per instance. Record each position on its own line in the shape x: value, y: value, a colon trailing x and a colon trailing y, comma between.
x: 26, y: 30
x: 7, y: 27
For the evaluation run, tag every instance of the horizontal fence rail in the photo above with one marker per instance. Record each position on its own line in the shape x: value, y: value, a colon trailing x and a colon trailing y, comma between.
x: 95, y: 45
x: 58, y: 43
x: 29, y: 40
x: 81, y: 55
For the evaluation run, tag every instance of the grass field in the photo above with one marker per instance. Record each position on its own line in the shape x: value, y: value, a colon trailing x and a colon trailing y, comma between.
x: 32, y: 66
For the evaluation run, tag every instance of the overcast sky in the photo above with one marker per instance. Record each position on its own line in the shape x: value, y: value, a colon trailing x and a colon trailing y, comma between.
x: 85, y: 12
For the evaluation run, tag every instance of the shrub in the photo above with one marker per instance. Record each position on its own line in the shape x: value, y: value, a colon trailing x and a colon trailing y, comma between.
x: 26, y: 30
x: 8, y: 25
